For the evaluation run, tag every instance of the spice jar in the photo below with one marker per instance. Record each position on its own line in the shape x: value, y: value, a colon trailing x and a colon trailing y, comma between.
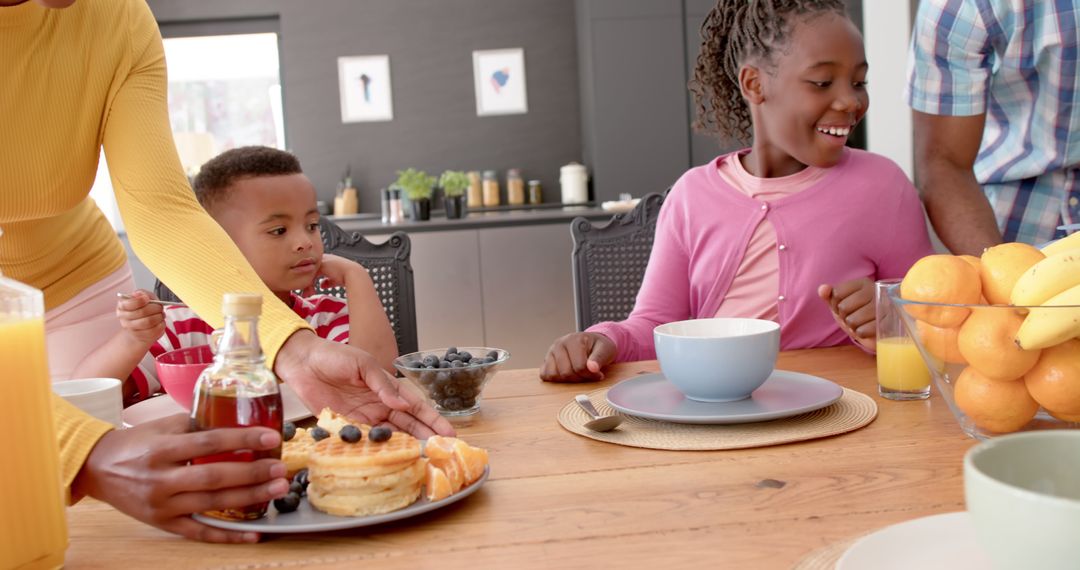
x: 515, y: 187
x: 476, y: 192
x: 491, y: 189
x: 536, y: 193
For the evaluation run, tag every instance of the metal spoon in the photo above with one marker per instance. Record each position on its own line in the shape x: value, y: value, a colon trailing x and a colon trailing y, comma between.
x: 153, y: 301
x: 598, y: 423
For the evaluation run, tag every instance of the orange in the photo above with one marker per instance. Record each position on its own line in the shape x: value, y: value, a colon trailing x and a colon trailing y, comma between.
x: 941, y: 279
x: 1002, y: 265
x: 1000, y: 407
x: 472, y: 460
x: 941, y: 342
x: 462, y: 462
x: 1054, y: 382
x: 974, y: 261
x: 987, y: 340
x: 437, y: 484
x: 1067, y: 417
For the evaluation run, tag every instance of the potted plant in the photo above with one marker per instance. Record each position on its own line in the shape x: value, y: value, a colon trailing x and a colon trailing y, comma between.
x: 418, y: 186
x: 454, y: 183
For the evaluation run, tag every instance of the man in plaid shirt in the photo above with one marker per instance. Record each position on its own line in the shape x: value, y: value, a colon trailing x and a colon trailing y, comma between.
x: 993, y: 84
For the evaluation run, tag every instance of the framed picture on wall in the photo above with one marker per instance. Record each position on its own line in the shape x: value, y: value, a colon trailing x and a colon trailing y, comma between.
x: 364, y: 81
x: 499, y: 75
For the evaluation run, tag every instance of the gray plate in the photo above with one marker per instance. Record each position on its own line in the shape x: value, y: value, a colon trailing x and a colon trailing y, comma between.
x: 784, y: 394
x: 307, y: 519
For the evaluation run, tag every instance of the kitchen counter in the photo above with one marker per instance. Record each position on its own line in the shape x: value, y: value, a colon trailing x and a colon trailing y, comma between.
x: 368, y: 224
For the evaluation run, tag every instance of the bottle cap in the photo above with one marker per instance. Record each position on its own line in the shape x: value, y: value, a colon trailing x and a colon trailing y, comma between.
x: 241, y: 304
x: 489, y: 174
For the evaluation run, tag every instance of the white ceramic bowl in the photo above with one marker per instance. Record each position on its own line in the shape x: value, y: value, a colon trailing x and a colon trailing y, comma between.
x: 99, y: 397
x: 717, y: 360
x: 1023, y: 493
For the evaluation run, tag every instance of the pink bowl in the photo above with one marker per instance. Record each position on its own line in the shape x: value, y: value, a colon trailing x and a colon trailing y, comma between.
x: 178, y: 370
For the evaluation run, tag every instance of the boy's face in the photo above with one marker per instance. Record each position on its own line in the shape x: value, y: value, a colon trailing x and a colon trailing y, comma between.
x: 274, y: 222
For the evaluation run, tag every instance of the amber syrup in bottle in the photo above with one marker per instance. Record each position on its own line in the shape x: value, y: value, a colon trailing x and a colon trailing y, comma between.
x: 238, y: 390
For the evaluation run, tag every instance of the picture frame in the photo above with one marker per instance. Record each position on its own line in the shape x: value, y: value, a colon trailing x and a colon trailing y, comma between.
x: 499, y: 79
x: 365, y: 88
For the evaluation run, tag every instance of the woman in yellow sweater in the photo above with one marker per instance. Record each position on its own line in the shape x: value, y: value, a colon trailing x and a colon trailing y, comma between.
x: 90, y: 76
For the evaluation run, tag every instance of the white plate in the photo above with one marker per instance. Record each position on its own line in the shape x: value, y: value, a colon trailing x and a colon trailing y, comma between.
x: 161, y: 406
x: 619, y: 206
x: 939, y: 541
x: 784, y: 394
x: 307, y: 519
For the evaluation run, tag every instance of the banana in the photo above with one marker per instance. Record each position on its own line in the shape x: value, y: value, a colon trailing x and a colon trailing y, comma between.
x: 1047, y: 278
x: 1052, y: 323
x: 1071, y: 241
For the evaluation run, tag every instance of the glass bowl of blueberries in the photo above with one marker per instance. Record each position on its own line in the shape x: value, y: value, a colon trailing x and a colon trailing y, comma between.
x: 452, y: 378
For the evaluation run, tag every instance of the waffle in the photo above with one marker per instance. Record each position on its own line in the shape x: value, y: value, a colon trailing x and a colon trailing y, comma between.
x: 295, y: 451
x: 332, y: 421
x: 365, y: 478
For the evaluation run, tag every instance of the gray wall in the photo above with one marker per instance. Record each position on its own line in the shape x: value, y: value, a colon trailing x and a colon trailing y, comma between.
x: 430, y: 44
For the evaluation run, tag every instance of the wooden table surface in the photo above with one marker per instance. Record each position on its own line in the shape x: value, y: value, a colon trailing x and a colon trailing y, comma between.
x: 557, y: 500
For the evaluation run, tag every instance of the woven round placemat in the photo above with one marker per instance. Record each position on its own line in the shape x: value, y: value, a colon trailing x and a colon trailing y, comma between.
x: 825, y: 558
x: 853, y: 411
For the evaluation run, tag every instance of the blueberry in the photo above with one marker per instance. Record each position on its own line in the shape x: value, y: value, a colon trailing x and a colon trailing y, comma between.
x: 457, y: 364
x: 413, y: 363
x: 427, y: 378
x: 493, y: 355
x: 454, y: 404
x: 288, y: 503
x: 379, y: 434
x: 451, y: 390
x: 488, y: 360
x: 296, y: 487
x: 451, y: 350
x: 475, y: 360
x: 465, y: 356
x: 431, y: 361
x: 288, y: 431
x: 302, y: 478
x: 442, y: 378
x: 350, y: 434
x: 319, y: 434
x: 468, y: 402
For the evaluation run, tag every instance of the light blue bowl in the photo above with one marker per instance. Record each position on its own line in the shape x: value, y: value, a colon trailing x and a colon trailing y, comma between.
x: 717, y: 360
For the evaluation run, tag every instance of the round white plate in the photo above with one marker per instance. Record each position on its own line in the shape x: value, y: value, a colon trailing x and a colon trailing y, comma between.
x: 938, y: 541
x: 784, y: 394
x: 307, y: 519
x: 161, y: 406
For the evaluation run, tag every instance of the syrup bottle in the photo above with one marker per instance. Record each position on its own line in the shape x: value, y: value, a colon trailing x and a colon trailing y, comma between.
x: 238, y: 390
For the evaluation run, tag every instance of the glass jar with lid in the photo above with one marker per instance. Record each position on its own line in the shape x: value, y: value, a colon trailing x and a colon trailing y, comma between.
x: 515, y: 188
x: 491, y: 189
x: 536, y: 193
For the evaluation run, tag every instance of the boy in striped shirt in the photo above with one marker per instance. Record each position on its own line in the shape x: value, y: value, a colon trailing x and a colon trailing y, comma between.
x: 262, y: 199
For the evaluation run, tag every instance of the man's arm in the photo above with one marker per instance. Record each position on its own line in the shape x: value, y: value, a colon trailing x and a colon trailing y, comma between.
x: 945, y: 151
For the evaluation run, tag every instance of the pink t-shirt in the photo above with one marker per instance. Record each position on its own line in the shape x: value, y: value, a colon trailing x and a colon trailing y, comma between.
x: 756, y: 283
x: 863, y: 218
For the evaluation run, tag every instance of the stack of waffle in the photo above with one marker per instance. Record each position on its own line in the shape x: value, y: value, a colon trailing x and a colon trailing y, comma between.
x: 295, y: 451
x: 365, y: 478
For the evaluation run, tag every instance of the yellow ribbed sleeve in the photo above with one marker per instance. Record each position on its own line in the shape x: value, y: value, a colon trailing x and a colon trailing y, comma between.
x: 77, y: 434
x: 74, y: 81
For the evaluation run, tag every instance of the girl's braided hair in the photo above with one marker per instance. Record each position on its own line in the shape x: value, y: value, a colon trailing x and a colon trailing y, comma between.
x: 734, y: 32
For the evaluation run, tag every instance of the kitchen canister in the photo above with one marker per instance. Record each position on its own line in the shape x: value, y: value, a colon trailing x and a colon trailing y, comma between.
x: 574, y: 180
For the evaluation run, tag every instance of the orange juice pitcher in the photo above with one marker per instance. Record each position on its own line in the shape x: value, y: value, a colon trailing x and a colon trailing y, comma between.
x: 33, y: 532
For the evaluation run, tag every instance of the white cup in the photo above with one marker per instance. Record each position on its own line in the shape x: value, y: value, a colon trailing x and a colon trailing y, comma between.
x: 99, y: 397
x: 1023, y: 493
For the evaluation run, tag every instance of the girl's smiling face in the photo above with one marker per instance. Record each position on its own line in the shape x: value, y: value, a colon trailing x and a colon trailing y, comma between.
x: 807, y: 101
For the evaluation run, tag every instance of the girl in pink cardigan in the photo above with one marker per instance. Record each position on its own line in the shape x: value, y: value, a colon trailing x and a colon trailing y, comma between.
x: 794, y: 229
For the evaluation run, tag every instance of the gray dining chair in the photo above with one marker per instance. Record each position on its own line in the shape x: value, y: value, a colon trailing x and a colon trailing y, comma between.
x: 609, y: 261
x: 390, y: 270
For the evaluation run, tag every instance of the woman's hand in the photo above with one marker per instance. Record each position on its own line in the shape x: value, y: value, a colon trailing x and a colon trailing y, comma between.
x: 144, y: 472
x: 852, y: 305
x: 578, y: 357
x: 142, y: 321
x: 349, y: 381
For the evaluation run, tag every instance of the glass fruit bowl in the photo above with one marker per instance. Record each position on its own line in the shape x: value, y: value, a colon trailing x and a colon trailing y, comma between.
x: 992, y: 385
x: 452, y: 378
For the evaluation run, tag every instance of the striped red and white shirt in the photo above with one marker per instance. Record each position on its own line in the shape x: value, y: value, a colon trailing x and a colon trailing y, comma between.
x: 327, y: 315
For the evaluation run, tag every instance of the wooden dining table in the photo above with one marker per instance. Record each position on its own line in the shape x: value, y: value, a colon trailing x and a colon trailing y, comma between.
x: 558, y: 500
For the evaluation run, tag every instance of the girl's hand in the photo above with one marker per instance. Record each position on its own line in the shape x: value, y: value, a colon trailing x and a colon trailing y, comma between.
x: 852, y: 305
x: 141, y: 320
x: 578, y: 357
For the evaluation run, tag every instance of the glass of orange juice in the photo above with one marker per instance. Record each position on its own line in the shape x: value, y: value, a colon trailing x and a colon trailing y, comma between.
x: 901, y: 372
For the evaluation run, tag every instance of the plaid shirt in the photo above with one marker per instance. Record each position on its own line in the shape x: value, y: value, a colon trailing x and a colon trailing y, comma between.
x: 1015, y: 61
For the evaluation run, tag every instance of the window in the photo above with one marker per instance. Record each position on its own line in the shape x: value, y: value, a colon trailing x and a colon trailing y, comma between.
x: 224, y: 92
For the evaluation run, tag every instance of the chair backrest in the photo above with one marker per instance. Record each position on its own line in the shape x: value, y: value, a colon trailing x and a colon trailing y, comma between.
x: 609, y: 261
x: 390, y: 270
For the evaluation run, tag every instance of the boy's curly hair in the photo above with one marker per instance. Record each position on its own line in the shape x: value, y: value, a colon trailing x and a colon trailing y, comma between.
x: 734, y: 32
x: 220, y: 172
